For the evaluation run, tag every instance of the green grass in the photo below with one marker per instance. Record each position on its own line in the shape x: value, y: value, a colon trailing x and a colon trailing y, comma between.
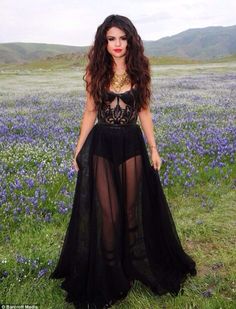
x: 172, y: 60
x: 68, y: 61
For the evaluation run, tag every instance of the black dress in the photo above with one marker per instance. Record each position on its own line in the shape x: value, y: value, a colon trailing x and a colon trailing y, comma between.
x: 121, y: 228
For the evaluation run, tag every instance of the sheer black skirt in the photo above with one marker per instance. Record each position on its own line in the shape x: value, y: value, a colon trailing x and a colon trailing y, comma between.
x: 121, y: 228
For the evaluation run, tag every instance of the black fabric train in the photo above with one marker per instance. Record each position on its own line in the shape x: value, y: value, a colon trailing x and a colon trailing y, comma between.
x: 121, y: 228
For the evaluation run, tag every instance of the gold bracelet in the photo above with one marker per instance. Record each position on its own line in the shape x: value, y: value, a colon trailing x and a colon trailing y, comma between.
x: 153, y: 146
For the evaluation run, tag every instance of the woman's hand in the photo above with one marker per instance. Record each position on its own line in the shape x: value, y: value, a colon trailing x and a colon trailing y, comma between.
x: 74, y: 163
x: 156, y: 159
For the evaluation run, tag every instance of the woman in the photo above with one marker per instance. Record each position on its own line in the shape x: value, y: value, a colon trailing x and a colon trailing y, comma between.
x: 121, y: 228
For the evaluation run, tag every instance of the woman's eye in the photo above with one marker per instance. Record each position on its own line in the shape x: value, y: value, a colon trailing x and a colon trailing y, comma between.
x: 112, y: 39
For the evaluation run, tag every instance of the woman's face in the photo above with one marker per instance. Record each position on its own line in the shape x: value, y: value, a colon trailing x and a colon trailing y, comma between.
x: 116, y: 42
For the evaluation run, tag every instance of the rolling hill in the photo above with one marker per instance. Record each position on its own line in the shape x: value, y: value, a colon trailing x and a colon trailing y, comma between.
x: 197, y: 44
x: 203, y: 44
x: 25, y: 52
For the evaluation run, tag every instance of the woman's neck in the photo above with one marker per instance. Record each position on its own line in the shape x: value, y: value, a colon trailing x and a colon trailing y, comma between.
x: 119, y: 66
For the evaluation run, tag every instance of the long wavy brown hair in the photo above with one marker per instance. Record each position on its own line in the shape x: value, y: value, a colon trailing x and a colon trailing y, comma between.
x: 100, y: 62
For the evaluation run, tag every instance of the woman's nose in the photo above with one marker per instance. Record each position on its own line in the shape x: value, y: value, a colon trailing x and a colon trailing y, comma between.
x: 117, y: 42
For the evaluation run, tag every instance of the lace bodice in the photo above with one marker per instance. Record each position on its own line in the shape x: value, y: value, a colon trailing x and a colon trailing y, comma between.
x: 118, y: 108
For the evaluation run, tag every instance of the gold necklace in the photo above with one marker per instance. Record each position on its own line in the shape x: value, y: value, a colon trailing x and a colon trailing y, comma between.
x: 118, y: 81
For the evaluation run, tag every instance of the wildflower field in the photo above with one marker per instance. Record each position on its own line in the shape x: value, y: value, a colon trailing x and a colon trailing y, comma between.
x: 193, y: 110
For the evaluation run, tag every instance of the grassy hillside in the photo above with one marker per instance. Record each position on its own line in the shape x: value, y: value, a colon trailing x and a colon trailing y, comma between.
x: 24, y: 52
x: 224, y: 59
x: 185, y: 47
x: 61, y: 61
x: 70, y: 61
x: 171, y: 60
x: 202, y: 43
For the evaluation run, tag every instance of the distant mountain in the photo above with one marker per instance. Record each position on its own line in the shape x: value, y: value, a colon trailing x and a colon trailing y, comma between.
x: 25, y: 52
x: 203, y: 43
x: 199, y: 44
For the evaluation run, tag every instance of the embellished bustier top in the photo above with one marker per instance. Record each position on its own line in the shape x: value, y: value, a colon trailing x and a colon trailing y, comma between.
x: 118, y: 108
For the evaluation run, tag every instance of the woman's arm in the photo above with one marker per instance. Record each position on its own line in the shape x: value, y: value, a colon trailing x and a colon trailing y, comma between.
x: 145, y: 117
x: 87, y: 122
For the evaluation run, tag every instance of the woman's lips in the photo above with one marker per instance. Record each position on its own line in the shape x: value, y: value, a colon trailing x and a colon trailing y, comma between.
x: 117, y: 50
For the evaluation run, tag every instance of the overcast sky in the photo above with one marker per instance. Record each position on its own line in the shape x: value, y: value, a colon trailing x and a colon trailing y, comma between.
x: 72, y: 22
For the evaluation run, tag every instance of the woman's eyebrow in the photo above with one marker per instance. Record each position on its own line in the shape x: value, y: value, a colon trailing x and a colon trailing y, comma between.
x: 111, y: 36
